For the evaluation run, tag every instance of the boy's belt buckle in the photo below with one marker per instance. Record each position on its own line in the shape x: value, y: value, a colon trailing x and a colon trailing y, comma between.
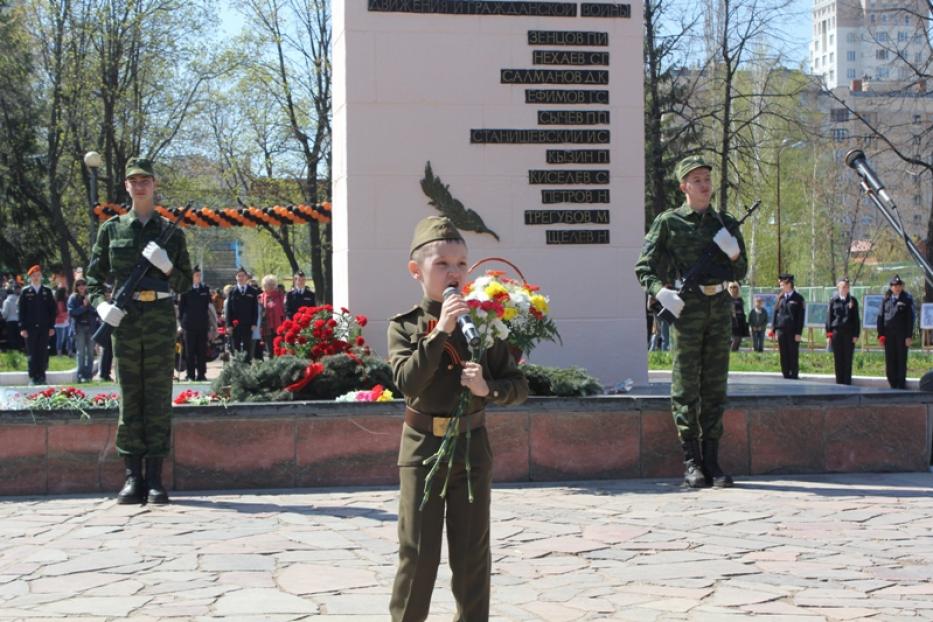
x: 148, y: 295
x: 439, y: 425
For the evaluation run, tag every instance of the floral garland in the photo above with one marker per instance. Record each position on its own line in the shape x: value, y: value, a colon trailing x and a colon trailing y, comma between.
x: 315, y: 332
x: 196, y: 398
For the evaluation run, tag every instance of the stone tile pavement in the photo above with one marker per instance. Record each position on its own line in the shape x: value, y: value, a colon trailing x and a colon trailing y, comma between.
x: 841, y: 547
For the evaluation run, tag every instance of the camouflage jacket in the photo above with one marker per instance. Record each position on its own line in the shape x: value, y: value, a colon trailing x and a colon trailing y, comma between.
x: 676, y: 241
x: 426, y: 365
x: 120, y: 243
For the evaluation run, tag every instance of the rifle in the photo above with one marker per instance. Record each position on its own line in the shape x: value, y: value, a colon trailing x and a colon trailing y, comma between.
x: 123, y: 296
x: 691, y: 279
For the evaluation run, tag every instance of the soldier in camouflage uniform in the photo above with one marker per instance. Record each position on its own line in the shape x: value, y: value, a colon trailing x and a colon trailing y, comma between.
x: 144, y: 332
x: 431, y: 365
x: 701, y: 335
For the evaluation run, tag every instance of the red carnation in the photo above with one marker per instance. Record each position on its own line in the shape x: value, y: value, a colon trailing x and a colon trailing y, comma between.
x: 361, y: 320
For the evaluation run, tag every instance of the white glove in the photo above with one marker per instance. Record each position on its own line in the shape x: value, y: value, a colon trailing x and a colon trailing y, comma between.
x: 670, y: 301
x: 727, y: 242
x: 110, y: 314
x: 158, y: 257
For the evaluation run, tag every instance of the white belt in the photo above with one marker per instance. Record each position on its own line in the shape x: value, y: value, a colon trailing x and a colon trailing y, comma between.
x: 712, y: 290
x: 150, y: 295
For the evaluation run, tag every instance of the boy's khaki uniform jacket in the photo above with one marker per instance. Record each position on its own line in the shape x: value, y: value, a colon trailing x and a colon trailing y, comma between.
x: 426, y: 366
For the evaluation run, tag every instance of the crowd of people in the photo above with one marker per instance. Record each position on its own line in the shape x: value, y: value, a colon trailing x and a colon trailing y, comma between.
x: 42, y: 318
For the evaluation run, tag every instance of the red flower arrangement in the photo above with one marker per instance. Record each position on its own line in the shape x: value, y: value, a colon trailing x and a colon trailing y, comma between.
x: 315, y: 332
x: 190, y: 396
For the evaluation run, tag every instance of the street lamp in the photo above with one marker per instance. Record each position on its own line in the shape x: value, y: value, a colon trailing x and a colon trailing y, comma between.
x: 784, y: 143
x: 92, y: 161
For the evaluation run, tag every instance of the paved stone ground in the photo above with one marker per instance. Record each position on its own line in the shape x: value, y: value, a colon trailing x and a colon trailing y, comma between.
x: 842, y: 547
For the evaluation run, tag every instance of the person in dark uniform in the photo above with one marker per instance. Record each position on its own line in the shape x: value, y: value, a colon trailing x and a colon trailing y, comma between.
x: 842, y: 330
x: 431, y: 366
x: 739, y: 323
x: 242, y: 314
x: 300, y: 296
x: 193, y: 317
x: 787, y: 326
x: 895, y: 331
x: 37, y: 311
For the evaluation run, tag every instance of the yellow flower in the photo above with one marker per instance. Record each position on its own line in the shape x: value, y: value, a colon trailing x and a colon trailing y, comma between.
x: 386, y: 396
x: 539, y: 302
x: 494, y: 289
x: 509, y: 314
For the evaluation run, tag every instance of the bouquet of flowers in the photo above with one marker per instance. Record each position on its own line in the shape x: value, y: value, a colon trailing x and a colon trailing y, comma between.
x: 69, y: 398
x: 190, y: 396
x: 377, y: 394
x: 512, y: 310
x: 316, y: 332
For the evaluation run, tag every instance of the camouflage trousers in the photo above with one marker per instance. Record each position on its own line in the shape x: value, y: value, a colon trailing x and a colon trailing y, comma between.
x: 700, y: 341
x: 144, y: 346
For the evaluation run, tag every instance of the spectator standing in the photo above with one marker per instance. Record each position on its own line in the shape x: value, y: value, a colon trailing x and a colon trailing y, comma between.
x: 788, y: 326
x: 758, y: 324
x: 842, y: 330
x: 83, y: 322
x: 739, y: 324
x: 242, y: 314
x: 300, y: 296
x: 895, y: 331
x: 193, y: 315
x: 11, y: 318
x: 62, y: 322
x: 106, y: 350
x: 37, y: 312
x: 273, y: 310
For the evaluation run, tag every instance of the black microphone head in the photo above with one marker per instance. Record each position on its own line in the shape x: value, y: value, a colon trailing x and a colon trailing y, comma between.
x: 853, y: 156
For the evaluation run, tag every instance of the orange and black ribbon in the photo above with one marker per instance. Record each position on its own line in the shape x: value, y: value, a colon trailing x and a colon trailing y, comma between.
x: 275, y: 216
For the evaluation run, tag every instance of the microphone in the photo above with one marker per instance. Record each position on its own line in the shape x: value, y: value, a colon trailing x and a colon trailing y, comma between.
x: 856, y: 159
x: 467, y: 327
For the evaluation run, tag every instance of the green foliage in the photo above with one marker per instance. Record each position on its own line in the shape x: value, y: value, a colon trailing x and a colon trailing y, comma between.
x: 260, y: 381
x: 564, y: 382
x: 864, y: 363
x: 343, y: 374
x: 14, y: 360
x: 264, y: 381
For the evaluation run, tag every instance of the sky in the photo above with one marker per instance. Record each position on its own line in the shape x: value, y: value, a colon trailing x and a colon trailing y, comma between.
x: 797, y: 28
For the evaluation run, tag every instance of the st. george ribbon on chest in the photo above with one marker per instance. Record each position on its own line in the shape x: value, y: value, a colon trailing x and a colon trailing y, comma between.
x: 467, y: 327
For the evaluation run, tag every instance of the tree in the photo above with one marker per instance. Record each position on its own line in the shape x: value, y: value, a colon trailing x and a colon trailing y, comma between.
x: 25, y: 232
x: 668, y: 135
x: 294, y: 51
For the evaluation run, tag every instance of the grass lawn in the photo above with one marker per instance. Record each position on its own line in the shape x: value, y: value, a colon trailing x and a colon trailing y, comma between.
x: 16, y: 361
x: 869, y: 363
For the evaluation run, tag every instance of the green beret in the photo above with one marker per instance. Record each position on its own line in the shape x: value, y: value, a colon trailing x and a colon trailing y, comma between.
x: 139, y: 166
x: 432, y: 229
x: 689, y: 164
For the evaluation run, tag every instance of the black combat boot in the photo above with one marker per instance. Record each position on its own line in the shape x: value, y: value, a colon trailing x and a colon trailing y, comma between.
x: 693, y: 465
x: 133, y: 490
x: 714, y: 474
x: 157, y: 492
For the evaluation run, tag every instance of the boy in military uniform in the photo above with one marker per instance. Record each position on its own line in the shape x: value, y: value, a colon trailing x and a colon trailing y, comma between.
x: 842, y: 330
x: 37, y: 310
x: 895, y: 331
x: 702, y: 333
x: 431, y: 365
x: 144, y: 332
x: 788, y: 326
